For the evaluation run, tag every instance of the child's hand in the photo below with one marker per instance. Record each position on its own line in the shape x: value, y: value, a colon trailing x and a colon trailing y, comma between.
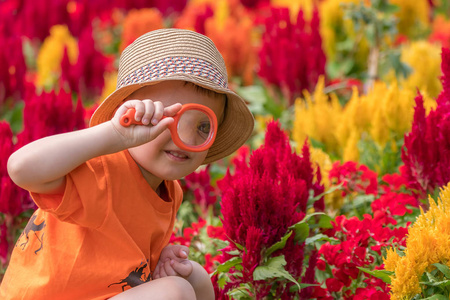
x: 173, y: 262
x: 150, y: 114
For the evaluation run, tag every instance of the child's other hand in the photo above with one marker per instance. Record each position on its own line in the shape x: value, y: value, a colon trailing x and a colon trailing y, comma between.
x: 173, y: 262
x: 151, y: 114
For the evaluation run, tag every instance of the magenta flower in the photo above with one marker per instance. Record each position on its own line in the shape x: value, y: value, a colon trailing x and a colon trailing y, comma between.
x: 12, y: 68
x: 291, y: 55
x: 48, y: 114
x: 200, y: 184
x: 86, y: 77
x: 262, y: 200
x: 427, y: 147
x: 13, y: 200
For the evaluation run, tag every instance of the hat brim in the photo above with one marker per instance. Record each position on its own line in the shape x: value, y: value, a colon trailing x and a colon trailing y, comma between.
x: 233, y: 132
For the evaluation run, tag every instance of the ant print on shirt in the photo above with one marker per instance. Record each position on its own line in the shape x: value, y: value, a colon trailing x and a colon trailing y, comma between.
x: 35, y: 228
x: 135, y: 278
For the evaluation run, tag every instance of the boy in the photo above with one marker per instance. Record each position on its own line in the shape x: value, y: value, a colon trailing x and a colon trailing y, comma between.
x: 108, y: 195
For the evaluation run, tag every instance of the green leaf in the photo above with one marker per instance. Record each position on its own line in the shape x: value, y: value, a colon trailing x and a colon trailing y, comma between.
x: 319, y: 237
x: 220, y: 243
x: 274, y: 269
x: 240, y: 293
x: 436, y: 297
x: 301, y: 230
x: 325, y: 221
x: 226, y: 266
x: 381, y: 274
x: 278, y: 245
x: 444, y: 269
x: 234, y: 252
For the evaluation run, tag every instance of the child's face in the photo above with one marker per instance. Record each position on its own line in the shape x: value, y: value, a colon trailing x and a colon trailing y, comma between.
x: 161, y: 159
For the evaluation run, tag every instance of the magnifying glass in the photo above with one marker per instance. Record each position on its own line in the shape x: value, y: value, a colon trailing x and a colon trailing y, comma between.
x: 194, y: 129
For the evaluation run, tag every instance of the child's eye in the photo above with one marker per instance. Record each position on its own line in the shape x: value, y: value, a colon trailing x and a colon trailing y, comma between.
x: 203, y: 129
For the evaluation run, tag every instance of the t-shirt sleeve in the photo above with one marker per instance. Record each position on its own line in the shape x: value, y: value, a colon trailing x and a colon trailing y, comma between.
x: 85, y: 199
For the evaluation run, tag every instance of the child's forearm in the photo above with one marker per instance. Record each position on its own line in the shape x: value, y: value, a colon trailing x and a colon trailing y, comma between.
x: 41, y: 166
x: 201, y: 282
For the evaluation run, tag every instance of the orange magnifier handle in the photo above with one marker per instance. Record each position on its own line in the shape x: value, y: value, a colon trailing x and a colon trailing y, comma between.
x: 194, y: 128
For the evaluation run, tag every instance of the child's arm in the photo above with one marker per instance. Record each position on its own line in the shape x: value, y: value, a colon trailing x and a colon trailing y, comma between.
x: 42, y: 165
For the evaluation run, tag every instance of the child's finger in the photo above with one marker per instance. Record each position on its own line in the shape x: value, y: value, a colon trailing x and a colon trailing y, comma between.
x: 127, y: 105
x: 159, y: 111
x: 169, y: 269
x: 162, y: 272
x: 184, y: 268
x: 139, y: 106
x: 183, y: 252
x: 155, y: 274
x: 171, y: 110
x: 149, y: 111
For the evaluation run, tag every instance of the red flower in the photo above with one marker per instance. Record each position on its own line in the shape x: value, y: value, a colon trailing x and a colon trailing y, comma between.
x: 13, y: 200
x: 356, y: 179
x: 263, y: 199
x: 427, y: 147
x: 48, y: 114
x: 216, y: 232
x: 334, y: 285
x: 12, y: 68
x: 291, y: 55
x: 200, y: 183
x: 4, y: 244
x: 86, y: 76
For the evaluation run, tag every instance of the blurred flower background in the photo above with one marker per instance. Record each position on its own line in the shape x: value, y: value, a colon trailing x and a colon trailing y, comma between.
x: 341, y: 192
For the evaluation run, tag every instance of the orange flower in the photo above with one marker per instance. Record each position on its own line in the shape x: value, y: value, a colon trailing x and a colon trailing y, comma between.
x: 138, y: 22
x: 441, y: 31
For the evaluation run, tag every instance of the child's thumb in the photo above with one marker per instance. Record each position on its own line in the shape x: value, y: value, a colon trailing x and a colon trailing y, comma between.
x: 184, y: 252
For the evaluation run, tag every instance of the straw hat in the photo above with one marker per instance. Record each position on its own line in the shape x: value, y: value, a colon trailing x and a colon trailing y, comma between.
x: 179, y: 54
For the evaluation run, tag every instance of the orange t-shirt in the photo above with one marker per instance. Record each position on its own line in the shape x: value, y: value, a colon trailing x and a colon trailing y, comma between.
x: 103, y: 236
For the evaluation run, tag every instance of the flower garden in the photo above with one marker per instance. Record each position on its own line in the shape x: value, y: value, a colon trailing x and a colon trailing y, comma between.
x: 341, y: 192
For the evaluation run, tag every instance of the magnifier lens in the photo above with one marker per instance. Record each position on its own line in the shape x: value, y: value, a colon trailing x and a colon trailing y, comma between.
x: 194, y: 128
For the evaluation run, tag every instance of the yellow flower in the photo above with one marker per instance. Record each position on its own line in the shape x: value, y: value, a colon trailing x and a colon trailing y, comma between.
x: 295, y: 5
x: 333, y: 201
x: 426, y: 244
x: 413, y: 15
x: 425, y: 60
x: 51, y: 54
x: 317, y: 116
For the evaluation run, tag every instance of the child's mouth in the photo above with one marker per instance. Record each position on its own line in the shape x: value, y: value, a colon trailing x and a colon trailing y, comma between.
x: 177, y: 155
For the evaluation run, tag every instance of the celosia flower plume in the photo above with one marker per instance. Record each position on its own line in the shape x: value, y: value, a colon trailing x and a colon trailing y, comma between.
x: 426, y: 149
x: 427, y: 243
x: 291, y: 55
x: 52, y: 52
x: 12, y: 68
x: 264, y: 198
x: 49, y: 114
x: 138, y: 22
